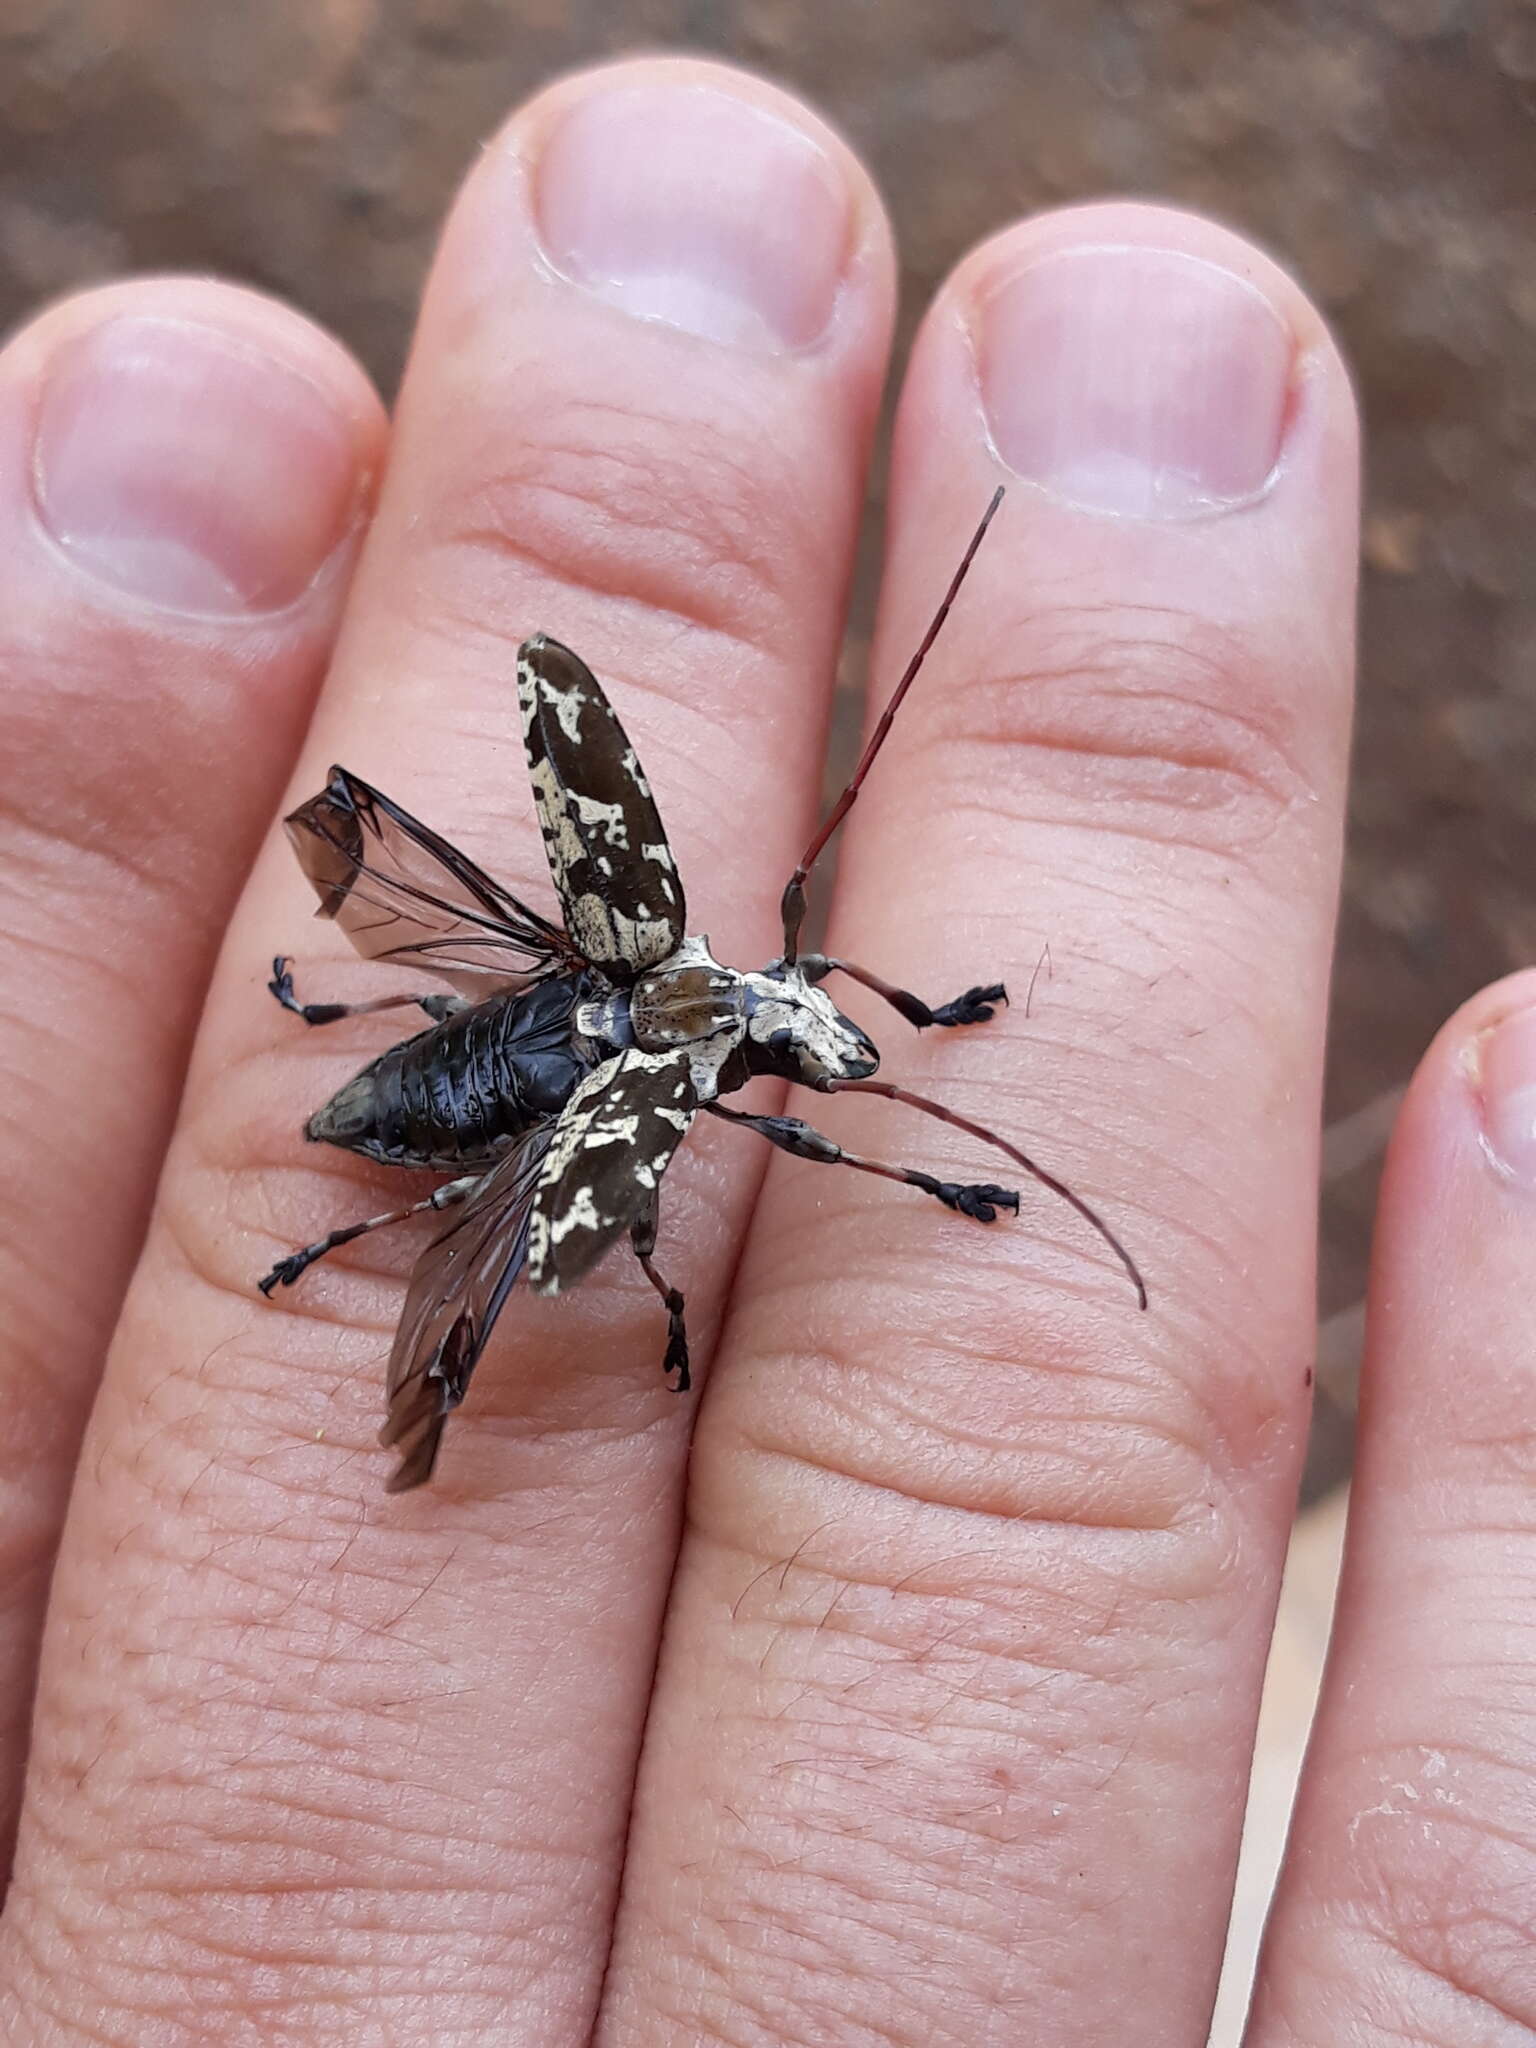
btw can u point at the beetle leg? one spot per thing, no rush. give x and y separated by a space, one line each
437 1007
1032 1167
979 1200
976 1006
642 1235
286 1271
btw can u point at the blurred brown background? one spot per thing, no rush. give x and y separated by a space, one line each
1384 149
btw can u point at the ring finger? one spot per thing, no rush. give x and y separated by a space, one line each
1404 1908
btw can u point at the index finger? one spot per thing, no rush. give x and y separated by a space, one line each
375 1755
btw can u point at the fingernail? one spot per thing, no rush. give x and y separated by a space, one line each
1508 1076
1136 381
189 468
690 206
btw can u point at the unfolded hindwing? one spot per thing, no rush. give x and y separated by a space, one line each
401 892
614 1141
456 1293
612 867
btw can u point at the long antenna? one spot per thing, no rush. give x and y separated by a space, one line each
1037 1172
792 906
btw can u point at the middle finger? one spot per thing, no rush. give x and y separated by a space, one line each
964 1645
637 415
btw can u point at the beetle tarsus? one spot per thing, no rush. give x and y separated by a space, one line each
1032 1167
676 1359
642 1237
286 1271
281 986
976 1006
438 1007
979 1200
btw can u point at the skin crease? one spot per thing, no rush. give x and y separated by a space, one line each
120 859
967 1599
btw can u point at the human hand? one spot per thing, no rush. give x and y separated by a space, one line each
967 1606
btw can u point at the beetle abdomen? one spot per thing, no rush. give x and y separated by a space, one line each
454 1095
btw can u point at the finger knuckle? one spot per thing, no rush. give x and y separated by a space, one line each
660 514
1150 722
1113 1460
289 1388
194 1891
1489 1446
977 1686
1438 1893
1014 1389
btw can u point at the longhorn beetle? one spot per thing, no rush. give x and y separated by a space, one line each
558 1079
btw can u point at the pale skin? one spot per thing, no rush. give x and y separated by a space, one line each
915 1706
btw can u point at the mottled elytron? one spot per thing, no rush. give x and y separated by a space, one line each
559 1077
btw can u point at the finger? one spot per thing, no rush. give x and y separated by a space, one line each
183 473
966 1641
636 415
1404 1907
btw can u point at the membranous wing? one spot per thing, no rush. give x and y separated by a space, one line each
612 867
400 892
613 1142
456 1293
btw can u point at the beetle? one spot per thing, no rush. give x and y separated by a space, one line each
563 1066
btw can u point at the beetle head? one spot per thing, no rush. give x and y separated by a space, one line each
796 1031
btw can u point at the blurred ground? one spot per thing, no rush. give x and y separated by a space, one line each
1384 149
